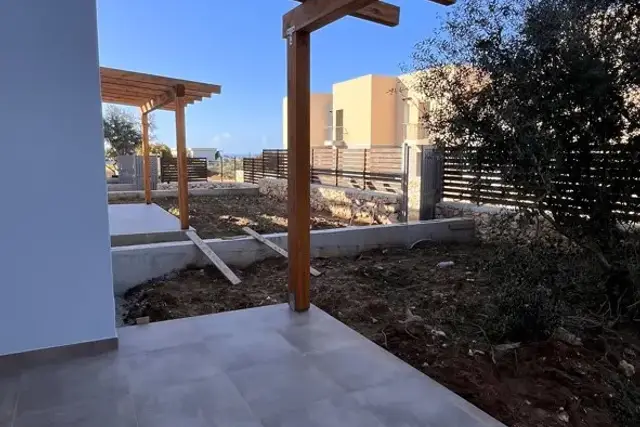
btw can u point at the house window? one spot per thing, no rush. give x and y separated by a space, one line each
414 130
328 130
339 125
406 114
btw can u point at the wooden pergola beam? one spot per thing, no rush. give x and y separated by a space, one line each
144 87
378 12
315 14
159 101
135 77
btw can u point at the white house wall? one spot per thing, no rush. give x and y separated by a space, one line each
55 263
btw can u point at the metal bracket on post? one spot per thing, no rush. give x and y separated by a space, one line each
289 33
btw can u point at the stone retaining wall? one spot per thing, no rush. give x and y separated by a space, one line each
209 185
245 190
495 223
346 203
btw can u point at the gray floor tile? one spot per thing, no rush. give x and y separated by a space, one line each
323 335
170 366
72 382
414 402
266 318
360 365
214 401
234 369
277 387
9 386
249 348
335 412
158 336
117 411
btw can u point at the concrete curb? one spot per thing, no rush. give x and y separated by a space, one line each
133 265
212 192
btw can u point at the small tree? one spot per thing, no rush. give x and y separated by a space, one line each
547 94
158 149
121 132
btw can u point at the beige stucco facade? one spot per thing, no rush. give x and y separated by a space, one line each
320 120
375 111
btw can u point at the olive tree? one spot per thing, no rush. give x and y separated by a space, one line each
546 93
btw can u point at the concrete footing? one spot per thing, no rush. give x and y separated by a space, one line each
133 265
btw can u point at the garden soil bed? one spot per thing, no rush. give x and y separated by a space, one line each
427 316
224 216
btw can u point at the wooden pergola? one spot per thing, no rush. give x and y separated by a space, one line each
149 92
297 26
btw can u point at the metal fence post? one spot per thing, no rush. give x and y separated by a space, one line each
431 182
364 169
313 159
336 166
221 169
404 209
235 169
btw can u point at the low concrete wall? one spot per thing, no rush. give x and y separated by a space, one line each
346 203
121 187
230 191
133 265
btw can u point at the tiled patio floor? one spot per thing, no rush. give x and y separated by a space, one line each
257 367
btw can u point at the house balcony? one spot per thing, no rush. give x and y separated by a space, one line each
414 132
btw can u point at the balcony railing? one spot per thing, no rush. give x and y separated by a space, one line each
413 132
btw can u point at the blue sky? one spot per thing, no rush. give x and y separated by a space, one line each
238 44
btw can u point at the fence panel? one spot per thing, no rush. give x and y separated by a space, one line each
196 169
252 169
378 169
464 180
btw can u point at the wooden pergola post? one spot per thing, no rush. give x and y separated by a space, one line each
146 165
297 26
298 146
181 146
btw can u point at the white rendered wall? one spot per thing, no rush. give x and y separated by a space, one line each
55 263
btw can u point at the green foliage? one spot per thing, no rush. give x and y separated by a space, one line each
121 132
547 94
160 150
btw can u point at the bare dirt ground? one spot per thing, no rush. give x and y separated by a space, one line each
215 217
430 317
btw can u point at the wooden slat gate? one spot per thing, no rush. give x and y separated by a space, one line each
196 169
431 183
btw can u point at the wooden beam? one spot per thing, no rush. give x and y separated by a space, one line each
444 2
159 101
273 246
298 146
134 76
215 259
146 164
145 87
181 146
378 12
315 14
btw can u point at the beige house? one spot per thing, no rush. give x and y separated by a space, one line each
366 112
